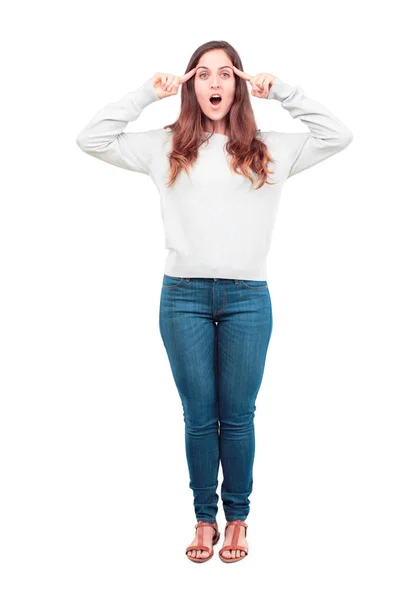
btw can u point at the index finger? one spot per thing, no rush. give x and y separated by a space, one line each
187 76
241 73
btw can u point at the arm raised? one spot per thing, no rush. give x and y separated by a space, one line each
104 136
327 135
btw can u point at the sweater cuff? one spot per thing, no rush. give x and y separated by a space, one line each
145 95
279 90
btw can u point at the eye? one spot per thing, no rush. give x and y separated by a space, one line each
204 73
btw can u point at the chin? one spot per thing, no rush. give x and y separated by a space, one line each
215 116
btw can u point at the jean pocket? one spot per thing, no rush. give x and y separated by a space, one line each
171 282
253 284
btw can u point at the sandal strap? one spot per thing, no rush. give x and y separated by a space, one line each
199 547
233 547
202 524
238 523
200 537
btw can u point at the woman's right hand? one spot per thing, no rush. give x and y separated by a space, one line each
166 84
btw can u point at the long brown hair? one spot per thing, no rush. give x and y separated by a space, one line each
247 152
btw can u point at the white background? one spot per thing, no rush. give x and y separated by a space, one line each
95 499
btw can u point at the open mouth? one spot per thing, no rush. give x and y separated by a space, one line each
215 99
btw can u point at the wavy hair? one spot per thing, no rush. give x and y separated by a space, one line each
247 152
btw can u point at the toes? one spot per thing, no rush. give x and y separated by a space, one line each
198 553
233 553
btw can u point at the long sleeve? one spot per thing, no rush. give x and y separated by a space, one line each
327 134
104 136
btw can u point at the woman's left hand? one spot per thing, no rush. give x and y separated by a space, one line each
261 83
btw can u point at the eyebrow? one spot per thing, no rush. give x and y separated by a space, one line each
226 67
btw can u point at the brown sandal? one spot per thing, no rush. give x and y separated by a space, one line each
233 545
201 546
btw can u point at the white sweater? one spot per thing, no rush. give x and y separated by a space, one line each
215 223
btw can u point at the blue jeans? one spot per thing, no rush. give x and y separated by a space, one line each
216 333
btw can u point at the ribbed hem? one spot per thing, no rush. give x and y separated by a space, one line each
145 95
280 90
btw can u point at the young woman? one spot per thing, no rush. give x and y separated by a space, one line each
220 180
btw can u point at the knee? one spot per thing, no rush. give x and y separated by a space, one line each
201 425
239 422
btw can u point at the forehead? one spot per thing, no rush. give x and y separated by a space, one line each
216 59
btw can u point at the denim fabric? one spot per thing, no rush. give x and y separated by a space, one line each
216 333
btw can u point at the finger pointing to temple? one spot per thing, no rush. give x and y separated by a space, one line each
188 75
242 73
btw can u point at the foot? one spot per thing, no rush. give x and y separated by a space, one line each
241 542
208 535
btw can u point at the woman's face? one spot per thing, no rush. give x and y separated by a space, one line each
215 75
